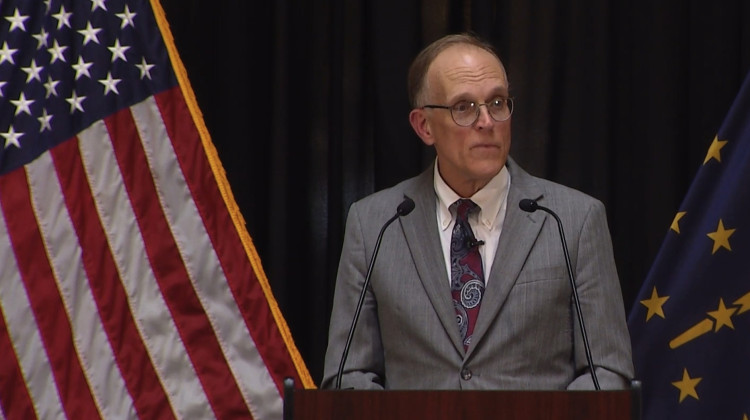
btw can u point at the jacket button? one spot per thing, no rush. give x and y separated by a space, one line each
466 374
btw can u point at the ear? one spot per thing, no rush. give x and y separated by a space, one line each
421 126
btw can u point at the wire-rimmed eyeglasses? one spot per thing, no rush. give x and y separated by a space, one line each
466 113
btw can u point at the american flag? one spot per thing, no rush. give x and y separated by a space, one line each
129 286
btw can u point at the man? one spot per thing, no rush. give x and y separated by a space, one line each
512 323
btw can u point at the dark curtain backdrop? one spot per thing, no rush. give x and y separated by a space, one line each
306 103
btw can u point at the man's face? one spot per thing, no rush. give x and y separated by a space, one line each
468 157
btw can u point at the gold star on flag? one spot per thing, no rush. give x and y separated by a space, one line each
723 316
687 386
676 222
714 151
654 305
721 237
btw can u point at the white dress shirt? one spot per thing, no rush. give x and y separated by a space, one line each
487 223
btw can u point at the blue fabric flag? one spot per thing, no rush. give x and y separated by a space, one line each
690 325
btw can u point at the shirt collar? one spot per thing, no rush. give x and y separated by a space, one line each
489 199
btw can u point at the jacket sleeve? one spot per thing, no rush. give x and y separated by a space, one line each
364 367
602 307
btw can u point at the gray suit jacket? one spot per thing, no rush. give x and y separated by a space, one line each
527 334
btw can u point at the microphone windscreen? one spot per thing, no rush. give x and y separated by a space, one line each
405 207
528 205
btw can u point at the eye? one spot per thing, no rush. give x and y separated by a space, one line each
464 107
498 102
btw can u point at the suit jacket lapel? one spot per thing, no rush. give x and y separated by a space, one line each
520 231
421 231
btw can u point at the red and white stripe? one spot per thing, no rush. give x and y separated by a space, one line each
126 288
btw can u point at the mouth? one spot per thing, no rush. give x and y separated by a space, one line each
485 146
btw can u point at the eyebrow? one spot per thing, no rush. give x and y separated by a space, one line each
500 91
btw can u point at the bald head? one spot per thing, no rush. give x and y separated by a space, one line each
418 80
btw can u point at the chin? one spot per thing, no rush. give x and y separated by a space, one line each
492 163
488 171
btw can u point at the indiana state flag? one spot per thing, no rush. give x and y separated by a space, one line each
690 325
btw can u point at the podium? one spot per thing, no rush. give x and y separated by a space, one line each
313 404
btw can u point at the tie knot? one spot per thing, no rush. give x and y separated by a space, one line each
464 206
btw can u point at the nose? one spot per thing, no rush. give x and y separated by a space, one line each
484 119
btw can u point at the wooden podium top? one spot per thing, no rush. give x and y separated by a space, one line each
511 405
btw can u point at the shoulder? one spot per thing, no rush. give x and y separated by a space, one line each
556 196
387 200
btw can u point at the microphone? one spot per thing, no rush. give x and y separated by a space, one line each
403 209
472 242
530 206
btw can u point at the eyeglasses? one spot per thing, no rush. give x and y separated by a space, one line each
466 113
